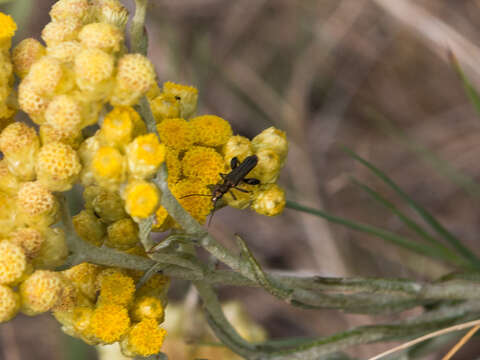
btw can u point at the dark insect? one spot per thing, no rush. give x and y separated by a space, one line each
232 180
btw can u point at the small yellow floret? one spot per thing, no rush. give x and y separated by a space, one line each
268 166
211 130
237 146
89 227
25 54
93 68
101 36
111 12
109 323
69 9
144 156
31 102
144 339
29 239
40 292
64 113
197 206
186 95
164 107
84 277
64 52
203 164
19 144
9 303
115 288
270 200
273 139
122 234
7 26
121 125
45 76
141 199
147 307
58 166
58 31
13 263
35 199
109 167
135 75
176 133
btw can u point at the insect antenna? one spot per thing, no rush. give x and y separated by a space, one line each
195 195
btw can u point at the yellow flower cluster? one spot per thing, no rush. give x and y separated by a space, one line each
83 76
105 308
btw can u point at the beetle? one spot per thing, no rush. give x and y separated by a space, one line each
232 180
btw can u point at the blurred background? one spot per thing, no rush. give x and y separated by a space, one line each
369 74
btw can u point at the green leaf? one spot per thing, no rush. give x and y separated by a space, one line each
404 218
442 231
472 93
422 249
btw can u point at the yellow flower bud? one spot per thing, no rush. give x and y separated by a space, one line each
20 144
111 12
144 156
64 113
93 70
64 52
147 307
115 288
49 134
268 166
109 323
121 125
162 220
13 263
31 102
89 227
211 130
108 205
186 95
270 200
122 234
9 303
237 146
9 183
164 107
102 36
37 203
45 76
29 239
176 133
25 54
84 277
58 31
203 164
135 75
141 199
273 139
87 151
157 286
109 167
58 166
64 10
144 339
197 206
40 292
54 250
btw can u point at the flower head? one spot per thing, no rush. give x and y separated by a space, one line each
147 307
93 70
203 164
84 277
13 263
40 292
89 227
122 234
197 206
7 26
144 156
121 125
102 36
109 322
25 54
164 107
176 133
144 338
141 199
186 95
211 130
270 200
9 303
29 239
109 167
54 250
115 287
35 200
64 113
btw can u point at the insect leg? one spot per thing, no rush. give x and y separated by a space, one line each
240 189
234 162
251 181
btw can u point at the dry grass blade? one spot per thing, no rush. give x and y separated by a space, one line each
462 342
434 334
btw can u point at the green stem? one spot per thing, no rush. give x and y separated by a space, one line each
138 35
